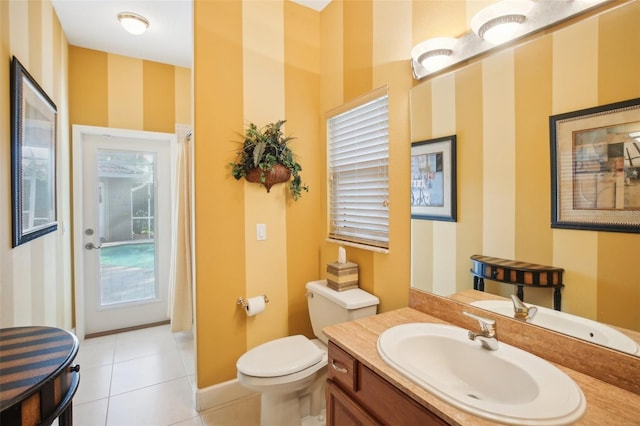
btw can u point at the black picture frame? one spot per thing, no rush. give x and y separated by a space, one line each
33 157
595 168
433 179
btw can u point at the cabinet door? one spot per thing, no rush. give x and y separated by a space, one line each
356 392
343 411
389 404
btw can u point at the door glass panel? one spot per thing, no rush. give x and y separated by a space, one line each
126 218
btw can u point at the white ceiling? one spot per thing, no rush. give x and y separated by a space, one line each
93 24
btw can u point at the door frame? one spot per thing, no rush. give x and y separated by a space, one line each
78 134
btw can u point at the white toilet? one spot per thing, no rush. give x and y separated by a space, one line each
292 369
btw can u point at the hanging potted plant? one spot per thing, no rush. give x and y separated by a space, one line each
265 158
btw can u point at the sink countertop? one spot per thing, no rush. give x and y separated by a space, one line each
606 404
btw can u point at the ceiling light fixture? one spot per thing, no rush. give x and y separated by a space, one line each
133 23
433 54
502 21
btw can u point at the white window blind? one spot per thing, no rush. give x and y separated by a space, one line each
358 152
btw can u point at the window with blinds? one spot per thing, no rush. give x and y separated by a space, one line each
358 150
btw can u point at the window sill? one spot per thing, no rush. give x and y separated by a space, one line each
360 246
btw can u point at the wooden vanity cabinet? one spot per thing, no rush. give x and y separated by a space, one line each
358 396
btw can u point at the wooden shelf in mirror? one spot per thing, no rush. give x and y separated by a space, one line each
517 273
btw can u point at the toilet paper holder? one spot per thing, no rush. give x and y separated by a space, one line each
242 301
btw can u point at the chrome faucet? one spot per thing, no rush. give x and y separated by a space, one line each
522 311
487 334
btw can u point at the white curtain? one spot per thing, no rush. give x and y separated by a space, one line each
181 284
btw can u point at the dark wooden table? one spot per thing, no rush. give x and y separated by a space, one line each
520 274
37 378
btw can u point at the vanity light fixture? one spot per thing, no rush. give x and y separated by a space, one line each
433 54
525 17
133 23
502 21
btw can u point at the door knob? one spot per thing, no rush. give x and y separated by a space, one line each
91 246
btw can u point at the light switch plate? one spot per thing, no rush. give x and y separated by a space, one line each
261 232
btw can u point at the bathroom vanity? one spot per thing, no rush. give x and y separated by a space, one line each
357 395
364 390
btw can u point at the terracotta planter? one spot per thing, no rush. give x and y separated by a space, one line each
278 174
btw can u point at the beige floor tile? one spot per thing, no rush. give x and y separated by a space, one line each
159 405
92 413
94 384
192 380
145 342
96 352
149 374
150 370
184 342
184 336
194 421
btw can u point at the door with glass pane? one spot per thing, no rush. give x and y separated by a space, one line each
126 231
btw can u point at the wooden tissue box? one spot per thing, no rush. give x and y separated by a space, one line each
342 276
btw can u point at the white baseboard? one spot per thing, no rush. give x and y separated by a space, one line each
221 394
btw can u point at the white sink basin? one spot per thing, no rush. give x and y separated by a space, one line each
507 385
572 325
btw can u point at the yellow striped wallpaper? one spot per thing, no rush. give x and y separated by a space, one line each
110 90
35 278
219 209
270 72
263 102
301 100
390 40
125 90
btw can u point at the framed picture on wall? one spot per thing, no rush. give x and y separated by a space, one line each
595 168
433 179
33 157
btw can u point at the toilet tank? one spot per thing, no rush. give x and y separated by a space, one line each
328 307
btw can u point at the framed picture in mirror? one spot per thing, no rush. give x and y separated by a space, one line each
33 157
595 168
433 179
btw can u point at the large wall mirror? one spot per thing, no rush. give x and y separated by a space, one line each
499 107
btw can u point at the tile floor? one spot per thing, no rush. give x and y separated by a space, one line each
146 377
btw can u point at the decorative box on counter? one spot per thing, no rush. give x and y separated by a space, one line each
342 276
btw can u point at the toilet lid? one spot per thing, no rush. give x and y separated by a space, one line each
280 357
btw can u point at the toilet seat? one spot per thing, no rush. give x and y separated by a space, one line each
280 357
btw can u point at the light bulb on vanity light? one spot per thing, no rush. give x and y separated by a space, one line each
502 21
433 54
133 23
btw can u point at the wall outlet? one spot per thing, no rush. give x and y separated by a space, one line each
261 232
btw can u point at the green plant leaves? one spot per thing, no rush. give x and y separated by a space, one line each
258 151
265 147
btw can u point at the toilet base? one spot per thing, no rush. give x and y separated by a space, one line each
284 409
279 409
